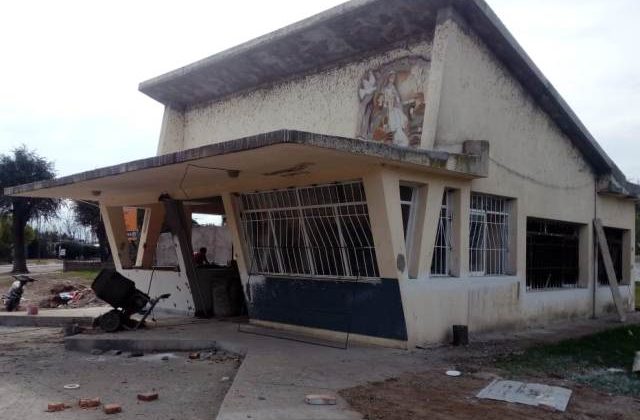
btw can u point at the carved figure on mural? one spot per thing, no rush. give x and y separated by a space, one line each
392 103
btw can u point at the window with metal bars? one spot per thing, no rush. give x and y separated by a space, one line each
488 235
553 254
440 263
315 231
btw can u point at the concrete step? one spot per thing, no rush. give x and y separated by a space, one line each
8 319
292 336
125 342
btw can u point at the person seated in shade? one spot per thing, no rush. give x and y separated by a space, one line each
200 257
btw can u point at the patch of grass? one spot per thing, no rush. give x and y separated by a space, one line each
88 275
585 360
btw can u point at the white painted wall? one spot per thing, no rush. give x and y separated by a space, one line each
470 96
173 282
325 103
533 162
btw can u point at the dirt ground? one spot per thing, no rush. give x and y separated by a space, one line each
44 292
430 394
34 368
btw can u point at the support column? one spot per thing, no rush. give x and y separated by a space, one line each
586 256
113 218
383 199
175 218
460 237
233 223
435 192
151 226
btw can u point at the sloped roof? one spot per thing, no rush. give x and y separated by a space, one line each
356 29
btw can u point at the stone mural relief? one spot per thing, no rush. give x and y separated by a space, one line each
392 102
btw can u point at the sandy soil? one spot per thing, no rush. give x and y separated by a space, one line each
430 394
34 368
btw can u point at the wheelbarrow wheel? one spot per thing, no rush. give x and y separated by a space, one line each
111 321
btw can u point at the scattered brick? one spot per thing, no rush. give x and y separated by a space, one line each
194 356
320 399
112 408
89 402
51 407
148 396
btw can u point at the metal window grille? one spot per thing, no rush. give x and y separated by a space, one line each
488 235
440 263
553 254
317 231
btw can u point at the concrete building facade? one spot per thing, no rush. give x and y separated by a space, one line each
386 169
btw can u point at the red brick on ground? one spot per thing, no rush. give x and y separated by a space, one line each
51 407
112 408
148 396
89 402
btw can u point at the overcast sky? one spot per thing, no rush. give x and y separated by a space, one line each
70 69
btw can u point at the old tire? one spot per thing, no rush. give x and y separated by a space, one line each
111 321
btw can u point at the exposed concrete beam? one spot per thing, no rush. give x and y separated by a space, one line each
151 226
175 218
113 218
462 165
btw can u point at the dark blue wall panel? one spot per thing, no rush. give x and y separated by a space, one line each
371 308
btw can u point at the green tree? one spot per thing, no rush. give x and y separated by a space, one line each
6 239
88 214
23 166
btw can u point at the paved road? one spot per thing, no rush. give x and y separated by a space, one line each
34 268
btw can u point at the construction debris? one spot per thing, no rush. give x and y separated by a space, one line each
320 399
529 394
56 406
112 408
89 402
68 295
148 396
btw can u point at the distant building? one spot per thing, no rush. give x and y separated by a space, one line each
386 169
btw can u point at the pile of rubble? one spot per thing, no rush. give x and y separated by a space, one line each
70 295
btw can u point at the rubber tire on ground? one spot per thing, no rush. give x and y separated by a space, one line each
111 321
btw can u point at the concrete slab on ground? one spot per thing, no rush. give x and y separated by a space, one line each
276 374
34 368
52 317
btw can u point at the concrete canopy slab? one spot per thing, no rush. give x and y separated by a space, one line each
278 159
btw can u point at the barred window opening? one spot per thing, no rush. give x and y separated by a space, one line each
553 254
319 231
440 263
488 235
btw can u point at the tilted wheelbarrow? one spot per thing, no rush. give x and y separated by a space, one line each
121 293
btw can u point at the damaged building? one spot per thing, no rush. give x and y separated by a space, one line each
385 169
